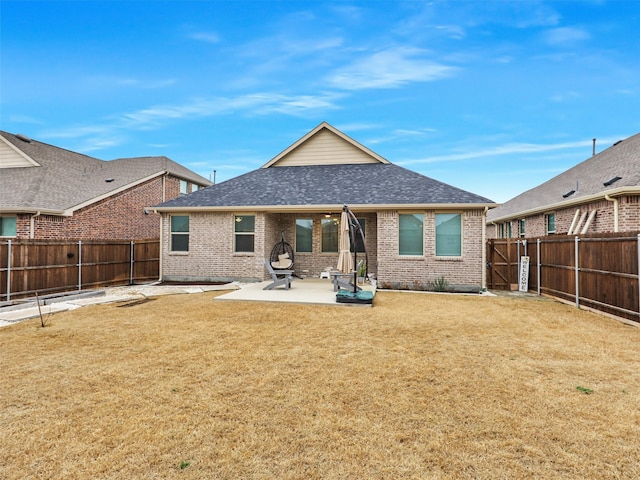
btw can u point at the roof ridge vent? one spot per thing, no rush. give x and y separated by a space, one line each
24 138
611 181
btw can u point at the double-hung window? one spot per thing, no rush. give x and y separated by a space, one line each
448 234
522 228
8 226
179 233
304 235
245 229
411 233
330 235
551 222
183 187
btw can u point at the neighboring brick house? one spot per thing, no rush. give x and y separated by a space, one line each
601 194
417 229
47 192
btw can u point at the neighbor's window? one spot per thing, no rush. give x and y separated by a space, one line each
183 187
551 222
8 226
448 234
508 229
245 228
500 230
179 233
304 235
411 237
330 235
522 227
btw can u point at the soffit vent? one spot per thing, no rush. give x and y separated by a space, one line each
611 181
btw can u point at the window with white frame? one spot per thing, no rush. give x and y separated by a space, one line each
179 233
304 235
184 187
245 230
448 234
411 234
522 225
330 235
8 226
550 220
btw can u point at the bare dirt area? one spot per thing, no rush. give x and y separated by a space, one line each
419 386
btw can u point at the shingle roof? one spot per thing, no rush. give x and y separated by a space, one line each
66 179
586 179
304 186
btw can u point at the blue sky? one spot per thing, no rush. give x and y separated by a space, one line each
493 97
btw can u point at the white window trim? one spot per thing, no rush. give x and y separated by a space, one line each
454 258
172 233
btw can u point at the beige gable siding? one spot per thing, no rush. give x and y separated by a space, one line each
11 158
325 148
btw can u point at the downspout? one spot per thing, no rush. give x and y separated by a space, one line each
484 248
32 224
616 209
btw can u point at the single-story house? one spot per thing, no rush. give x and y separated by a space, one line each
416 229
47 192
601 194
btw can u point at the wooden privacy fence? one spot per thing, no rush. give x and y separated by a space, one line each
600 271
50 266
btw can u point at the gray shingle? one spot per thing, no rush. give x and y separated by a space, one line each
586 178
357 184
66 179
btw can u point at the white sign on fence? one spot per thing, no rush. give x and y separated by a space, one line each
524 275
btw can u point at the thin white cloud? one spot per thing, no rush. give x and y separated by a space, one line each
207 37
109 134
507 149
390 68
563 36
108 81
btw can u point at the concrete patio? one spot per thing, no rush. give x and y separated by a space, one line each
303 291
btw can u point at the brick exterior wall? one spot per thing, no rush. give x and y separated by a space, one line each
117 217
211 244
417 272
603 222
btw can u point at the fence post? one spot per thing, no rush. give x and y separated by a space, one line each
639 273
79 264
539 268
131 264
9 271
577 275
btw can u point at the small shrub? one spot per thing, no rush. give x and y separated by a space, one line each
440 284
184 464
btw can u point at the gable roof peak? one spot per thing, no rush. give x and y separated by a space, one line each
325 145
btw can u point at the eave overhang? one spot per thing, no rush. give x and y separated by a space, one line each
616 192
327 208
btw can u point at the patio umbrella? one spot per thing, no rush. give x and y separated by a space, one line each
345 260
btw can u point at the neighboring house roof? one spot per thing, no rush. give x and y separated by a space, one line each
324 171
35 176
590 180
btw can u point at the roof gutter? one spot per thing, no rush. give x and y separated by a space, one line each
616 192
337 208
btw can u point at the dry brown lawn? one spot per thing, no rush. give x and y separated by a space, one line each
419 386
